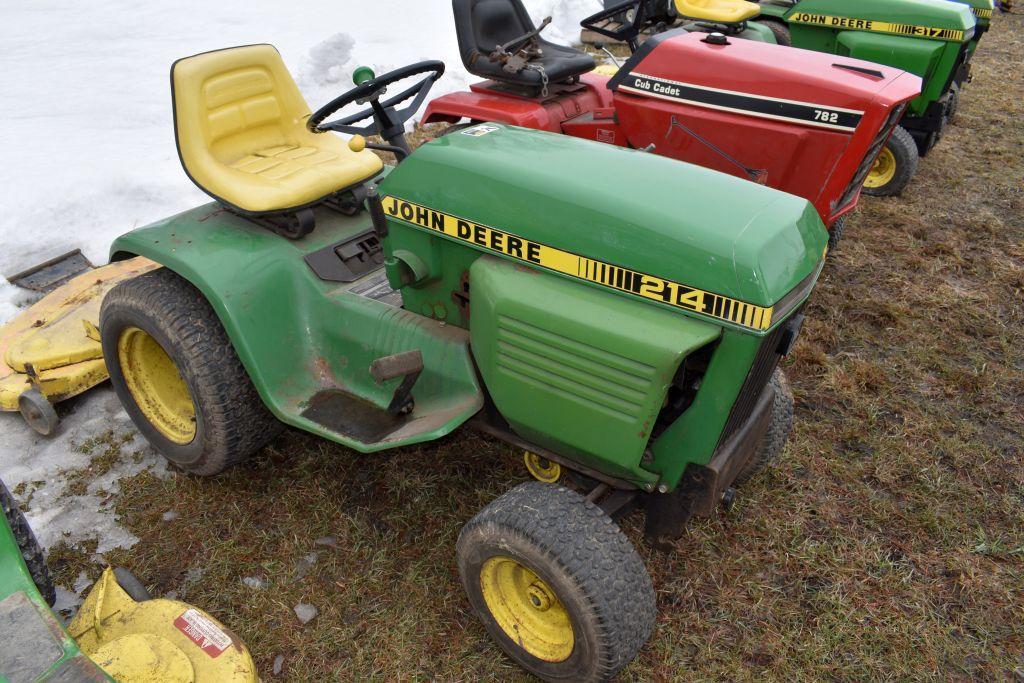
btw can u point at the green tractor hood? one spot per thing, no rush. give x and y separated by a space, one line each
906 15
642 213
982 9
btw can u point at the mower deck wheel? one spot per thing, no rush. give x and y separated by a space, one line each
781 424
895 166
178 376
556 583
38 412
31 553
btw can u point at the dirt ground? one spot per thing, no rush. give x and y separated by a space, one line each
888 542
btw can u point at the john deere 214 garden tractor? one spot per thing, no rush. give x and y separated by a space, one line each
614 314
930 38
119 634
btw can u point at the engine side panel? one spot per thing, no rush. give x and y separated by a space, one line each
576 370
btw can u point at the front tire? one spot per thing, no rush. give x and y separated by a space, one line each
954 103
556 583
895 166
779 427
178 376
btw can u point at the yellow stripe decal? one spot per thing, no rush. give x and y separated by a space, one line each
950 34
983 13
580 267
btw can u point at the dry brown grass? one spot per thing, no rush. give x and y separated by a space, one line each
888 543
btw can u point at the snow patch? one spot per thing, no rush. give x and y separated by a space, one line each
67 603
47 467
305 612
566 16
327 59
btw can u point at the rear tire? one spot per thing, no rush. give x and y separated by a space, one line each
895 166
779 29
774 440
31 553
556 583
230 420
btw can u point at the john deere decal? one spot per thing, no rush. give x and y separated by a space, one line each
580 267
949 34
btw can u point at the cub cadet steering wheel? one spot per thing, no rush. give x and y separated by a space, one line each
388 121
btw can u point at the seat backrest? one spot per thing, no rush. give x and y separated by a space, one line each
230 102
483 25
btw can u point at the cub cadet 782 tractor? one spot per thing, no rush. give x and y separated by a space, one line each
119 634
798 121
930 38
626 326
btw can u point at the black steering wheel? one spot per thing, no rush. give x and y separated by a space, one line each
388 121
629 30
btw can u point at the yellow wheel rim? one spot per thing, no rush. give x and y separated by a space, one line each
542 469
526 609
156 385
883 170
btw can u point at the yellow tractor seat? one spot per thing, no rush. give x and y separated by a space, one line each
240 125
720 11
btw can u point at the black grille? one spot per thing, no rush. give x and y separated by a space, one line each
869 157
760 374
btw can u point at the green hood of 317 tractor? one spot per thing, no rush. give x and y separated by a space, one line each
936 14
982 9
634 210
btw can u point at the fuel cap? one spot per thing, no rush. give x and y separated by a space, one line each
716 38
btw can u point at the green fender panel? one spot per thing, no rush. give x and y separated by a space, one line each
33 644
306 342
574 369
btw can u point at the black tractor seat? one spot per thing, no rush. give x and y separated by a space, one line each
483 26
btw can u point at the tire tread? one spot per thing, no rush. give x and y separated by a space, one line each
589 546
236 421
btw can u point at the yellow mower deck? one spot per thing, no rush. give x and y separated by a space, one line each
157 639
55 344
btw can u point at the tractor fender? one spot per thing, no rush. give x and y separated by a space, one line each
478 106
301 338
